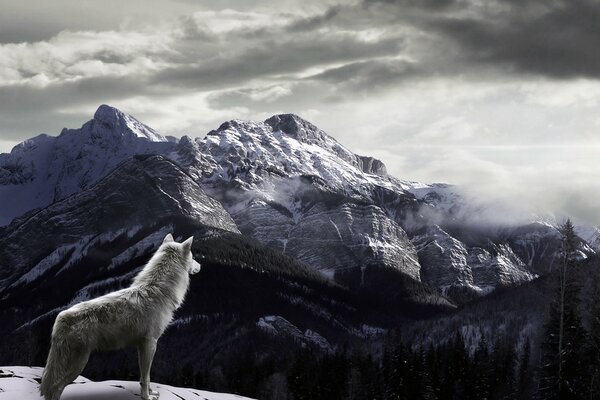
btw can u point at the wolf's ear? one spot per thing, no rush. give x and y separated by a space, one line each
187 245
168 238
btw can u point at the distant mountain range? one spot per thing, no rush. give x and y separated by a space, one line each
282 182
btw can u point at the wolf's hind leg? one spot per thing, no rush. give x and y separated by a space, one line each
146 351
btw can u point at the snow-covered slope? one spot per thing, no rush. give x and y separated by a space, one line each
249 152
144 192
45 169
23 383
290 185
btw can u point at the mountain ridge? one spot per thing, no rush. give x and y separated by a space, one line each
293 187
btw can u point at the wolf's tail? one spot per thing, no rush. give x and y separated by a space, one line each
52 372
56 369
67 358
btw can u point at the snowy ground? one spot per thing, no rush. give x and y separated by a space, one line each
22 383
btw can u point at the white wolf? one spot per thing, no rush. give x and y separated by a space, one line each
135 316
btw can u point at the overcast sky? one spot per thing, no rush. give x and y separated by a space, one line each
501 95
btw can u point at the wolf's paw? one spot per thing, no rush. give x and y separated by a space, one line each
152 395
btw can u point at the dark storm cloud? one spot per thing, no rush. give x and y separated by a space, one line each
561 41
557 39
333 84
262 98
75 69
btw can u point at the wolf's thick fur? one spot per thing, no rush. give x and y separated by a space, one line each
135 316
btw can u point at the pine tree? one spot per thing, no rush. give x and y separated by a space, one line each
592 309
523 371
561 375
481 368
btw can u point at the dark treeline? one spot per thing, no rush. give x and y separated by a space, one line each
559 361
398 371
538 341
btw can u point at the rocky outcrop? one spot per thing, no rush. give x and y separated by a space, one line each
454 267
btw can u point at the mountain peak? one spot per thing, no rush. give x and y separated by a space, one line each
117 121
234 124
296 127
108 114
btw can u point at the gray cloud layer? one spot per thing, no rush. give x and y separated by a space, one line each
422 84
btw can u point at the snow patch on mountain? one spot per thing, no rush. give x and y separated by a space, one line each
277 325
591 234
290 185
143 246
118 121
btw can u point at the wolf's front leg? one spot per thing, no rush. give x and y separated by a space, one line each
145 355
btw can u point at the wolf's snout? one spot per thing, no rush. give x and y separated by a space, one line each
195 268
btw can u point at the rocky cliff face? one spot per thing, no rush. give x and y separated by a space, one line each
332 237
465 271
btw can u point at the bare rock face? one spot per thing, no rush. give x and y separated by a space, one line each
443 261
460 270
332 237
497 266
373 166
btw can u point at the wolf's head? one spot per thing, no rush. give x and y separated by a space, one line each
185 248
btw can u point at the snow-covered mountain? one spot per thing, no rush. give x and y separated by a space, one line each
46 169
23 383
287 184
290 185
